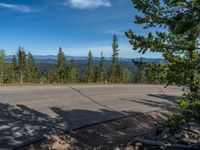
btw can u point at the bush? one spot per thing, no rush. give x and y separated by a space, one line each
191 109
177 121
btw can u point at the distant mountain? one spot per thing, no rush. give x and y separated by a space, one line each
53 59
47 62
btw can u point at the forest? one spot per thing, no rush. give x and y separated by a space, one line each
22 68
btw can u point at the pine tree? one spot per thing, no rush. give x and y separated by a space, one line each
89 74
7 78
52 76
73 73
140 72
119 73
14 69
61 67
61 59
179 45
2 65
96 74
21 64
152 73
31 69
102 69
114 68
125 75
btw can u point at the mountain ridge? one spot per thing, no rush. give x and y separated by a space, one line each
53 59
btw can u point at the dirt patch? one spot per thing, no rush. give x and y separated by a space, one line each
114 133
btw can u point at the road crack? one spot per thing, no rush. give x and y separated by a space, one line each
86 96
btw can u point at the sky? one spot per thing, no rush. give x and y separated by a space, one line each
42 26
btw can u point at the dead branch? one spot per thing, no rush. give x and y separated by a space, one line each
166 145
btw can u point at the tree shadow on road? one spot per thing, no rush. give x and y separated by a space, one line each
166 97
165 101
20 124
110 132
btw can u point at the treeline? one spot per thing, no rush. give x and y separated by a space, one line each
151 73
23 69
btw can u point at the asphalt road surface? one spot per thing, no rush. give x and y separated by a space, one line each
28 113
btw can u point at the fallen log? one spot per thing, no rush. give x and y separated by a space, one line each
165 145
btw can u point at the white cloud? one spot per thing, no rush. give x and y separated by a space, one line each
83 4
16 7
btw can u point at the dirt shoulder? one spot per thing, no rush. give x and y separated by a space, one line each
110 133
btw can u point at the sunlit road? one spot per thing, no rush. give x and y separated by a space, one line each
28 113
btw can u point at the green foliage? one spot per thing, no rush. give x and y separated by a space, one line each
24 68
191 106
61 59
115 67
177 121
102 69
21 62
61 67
7 78
72 73
149 72
89 74
14 69
31 70
52 76
140 74
96 74
2 65
180 45
125 75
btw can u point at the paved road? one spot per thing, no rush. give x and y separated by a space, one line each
28 113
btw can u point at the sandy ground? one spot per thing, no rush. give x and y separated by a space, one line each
105 135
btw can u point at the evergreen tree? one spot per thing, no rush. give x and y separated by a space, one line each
14 69
140 72
119 73
7 78
52 76
61 67
125 75
2 65
61 59
153 73
96 74
180 45
89 74
114 68
21 64
31 69
73 73
102 69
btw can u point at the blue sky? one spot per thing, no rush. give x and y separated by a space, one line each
42 26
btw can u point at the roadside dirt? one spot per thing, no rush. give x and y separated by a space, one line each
114 133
